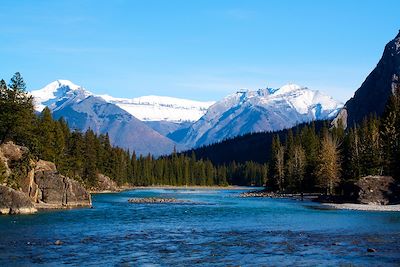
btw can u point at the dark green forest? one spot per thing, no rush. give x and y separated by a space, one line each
83 155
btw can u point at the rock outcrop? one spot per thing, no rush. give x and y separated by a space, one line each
53 190
40 185
15 202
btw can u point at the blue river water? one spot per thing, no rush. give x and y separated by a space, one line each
218 229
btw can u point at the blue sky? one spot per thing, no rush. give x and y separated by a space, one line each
199 49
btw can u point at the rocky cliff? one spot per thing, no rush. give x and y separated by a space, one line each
373 94
35 184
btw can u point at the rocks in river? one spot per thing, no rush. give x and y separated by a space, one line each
156 200
258 193
58 243
15 202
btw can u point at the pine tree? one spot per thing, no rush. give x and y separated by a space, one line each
16 112
299 164
390 134
89 164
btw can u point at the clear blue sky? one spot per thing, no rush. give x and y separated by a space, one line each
198 49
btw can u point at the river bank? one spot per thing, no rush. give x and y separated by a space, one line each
363 207
318 197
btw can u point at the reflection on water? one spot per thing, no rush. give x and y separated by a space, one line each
231 231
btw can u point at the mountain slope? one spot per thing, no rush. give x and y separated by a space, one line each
373 94
261 110
82 110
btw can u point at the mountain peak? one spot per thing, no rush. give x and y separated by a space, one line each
61 83
55 91
287 88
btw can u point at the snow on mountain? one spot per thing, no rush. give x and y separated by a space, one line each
58 92
145 108
161 108
261 110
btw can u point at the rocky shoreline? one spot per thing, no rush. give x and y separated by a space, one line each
363 207
38 184
326 202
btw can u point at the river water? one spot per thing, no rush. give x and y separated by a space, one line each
218 229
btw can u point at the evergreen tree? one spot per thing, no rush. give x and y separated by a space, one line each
17 117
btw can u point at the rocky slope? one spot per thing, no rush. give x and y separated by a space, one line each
261 110
373 94
37 184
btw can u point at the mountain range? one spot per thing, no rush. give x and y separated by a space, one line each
157 125
260 111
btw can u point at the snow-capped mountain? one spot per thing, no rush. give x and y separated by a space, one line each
145 108
57 94
262 110
162 108
83 110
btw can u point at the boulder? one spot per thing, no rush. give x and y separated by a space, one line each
57 191
15 202
381 190
104 183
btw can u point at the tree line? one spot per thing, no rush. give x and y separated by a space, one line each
83 155
308 160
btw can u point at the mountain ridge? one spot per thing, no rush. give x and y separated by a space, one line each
260 110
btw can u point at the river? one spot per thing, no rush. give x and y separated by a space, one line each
218 229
